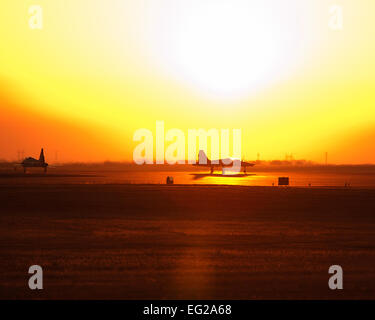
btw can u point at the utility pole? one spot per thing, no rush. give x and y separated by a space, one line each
20 155
326 158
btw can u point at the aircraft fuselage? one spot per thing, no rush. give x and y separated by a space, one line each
33 163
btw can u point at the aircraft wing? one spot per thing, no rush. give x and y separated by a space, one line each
247 164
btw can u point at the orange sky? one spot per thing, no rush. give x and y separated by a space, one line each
95 73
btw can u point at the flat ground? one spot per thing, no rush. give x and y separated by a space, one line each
186 242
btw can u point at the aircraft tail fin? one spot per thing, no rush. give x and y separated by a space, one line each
202 157
41 157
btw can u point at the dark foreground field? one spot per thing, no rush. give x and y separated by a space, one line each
183 242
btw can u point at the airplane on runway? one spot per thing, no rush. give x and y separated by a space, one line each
34 163
221 163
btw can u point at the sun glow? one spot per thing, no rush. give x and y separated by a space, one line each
227 48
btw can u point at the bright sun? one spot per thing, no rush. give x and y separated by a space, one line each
226 48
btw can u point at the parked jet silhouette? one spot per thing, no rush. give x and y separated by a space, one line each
34 163
221 163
